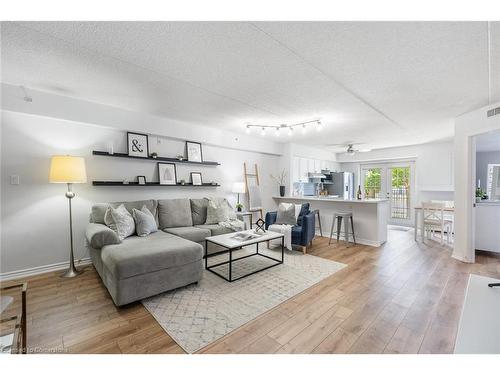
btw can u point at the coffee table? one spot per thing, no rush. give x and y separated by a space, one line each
231 245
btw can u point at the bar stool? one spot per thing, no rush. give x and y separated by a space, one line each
316 212
338 216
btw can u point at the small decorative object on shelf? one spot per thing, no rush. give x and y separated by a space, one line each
110 148
213 183
137 145
183 182
125 182
194 152
260 226
141 180
180 157
154 155
280 180
358 194
196 178
167 174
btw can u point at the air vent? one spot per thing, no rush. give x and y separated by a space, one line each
493 112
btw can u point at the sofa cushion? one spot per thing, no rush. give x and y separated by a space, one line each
199 210
190 233
140 255
174 213
99 209
215 229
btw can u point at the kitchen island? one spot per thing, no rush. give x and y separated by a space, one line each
370 215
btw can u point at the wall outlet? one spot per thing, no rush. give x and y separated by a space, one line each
14 179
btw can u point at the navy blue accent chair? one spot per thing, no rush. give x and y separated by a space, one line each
303 232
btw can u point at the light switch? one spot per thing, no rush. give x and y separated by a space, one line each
14 179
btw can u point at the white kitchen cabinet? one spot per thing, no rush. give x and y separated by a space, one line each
317 166
304 169
487 233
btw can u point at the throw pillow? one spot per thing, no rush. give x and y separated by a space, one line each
286 214
120 220
145 222
219 211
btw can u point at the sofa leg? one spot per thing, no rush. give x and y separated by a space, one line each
304 249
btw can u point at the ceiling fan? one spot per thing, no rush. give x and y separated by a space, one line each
350 150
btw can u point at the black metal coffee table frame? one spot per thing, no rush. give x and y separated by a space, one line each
231 260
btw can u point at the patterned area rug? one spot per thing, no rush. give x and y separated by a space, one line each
197 315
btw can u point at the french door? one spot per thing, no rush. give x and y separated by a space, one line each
393 181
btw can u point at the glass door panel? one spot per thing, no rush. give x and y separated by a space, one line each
399 194
372 182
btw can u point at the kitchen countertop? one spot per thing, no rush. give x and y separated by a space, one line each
488 203
337 200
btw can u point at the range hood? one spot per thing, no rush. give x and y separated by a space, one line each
316 175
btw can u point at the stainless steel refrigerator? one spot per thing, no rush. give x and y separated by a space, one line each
342 184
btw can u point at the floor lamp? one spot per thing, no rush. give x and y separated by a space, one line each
68 170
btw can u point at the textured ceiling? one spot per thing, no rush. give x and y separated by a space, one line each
382 84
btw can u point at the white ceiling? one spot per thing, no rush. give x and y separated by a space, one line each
488 142
378 83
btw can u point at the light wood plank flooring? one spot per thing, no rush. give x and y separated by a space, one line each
404 297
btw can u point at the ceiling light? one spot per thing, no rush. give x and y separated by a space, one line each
263 131
304 129
277 132
319 126
248 129
290 131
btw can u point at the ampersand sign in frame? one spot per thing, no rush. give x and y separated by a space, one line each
137 144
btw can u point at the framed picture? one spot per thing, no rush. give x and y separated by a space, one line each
196 178
167 174
193 151
141 180
137 145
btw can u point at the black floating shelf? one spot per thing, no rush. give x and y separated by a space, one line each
159 158
120 183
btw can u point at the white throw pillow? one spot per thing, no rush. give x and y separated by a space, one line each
145 222
120 220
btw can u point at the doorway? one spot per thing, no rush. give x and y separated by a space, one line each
393 181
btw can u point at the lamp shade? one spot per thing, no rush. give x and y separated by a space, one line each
67 169
239 187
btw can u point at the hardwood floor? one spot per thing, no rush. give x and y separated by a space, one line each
404 297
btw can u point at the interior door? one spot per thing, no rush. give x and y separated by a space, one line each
393 181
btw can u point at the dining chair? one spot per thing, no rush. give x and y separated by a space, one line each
434 219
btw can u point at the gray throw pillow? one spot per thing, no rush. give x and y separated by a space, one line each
286 214
145 222
120 220
219 211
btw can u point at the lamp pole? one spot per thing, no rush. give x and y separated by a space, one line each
72 271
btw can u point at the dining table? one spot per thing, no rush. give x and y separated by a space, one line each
419 218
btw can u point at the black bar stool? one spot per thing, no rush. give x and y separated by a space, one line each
345 217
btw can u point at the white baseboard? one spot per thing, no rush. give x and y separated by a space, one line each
41 269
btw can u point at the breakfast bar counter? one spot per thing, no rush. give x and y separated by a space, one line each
370 215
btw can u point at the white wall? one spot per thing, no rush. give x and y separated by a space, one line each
34 214
433 167
467 126
482 161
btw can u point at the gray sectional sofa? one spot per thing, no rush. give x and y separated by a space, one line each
140 267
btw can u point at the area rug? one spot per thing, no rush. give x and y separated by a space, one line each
197 315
